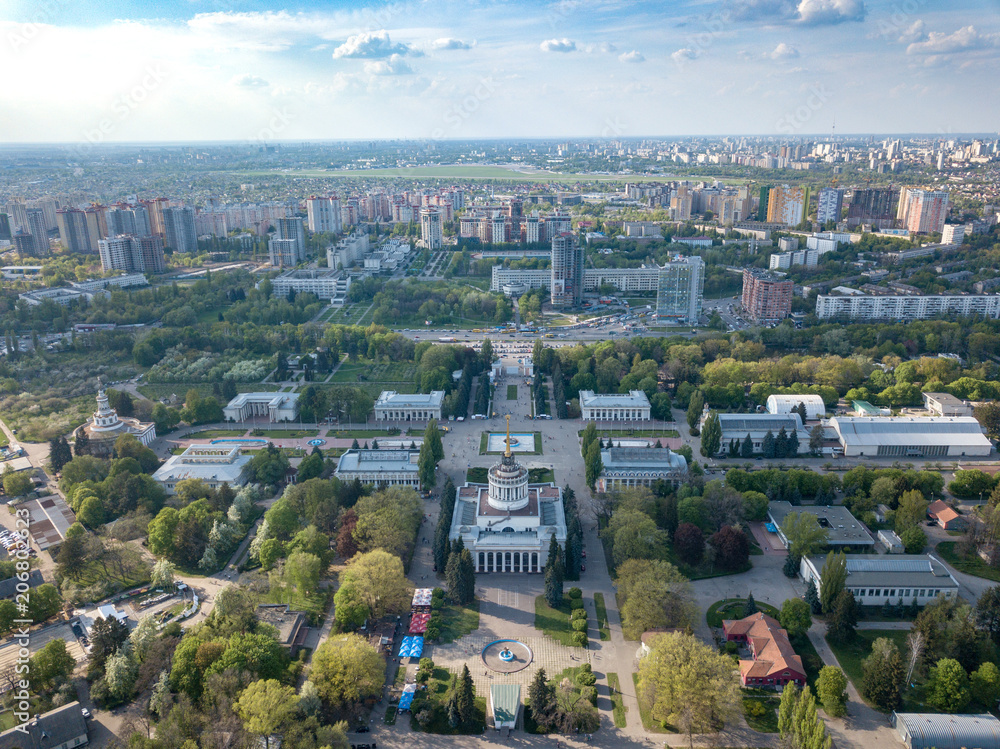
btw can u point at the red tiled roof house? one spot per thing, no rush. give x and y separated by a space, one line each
774 661
945 516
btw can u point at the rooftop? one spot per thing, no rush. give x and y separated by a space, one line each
842 526
908 430
378 460
643 459
55 728
900 570
945 399
928 730
410 400
290 624
203 462
760 422
634 399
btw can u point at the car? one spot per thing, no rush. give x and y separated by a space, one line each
85 713
583 568
362 729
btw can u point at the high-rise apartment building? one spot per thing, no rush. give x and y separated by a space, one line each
128 219
680 290
431 231
533 229
766 297
681 204
830 202
76 232
787 205
925 211
39 231
178 229
132 254
24 243
154 209
17 210
323 214
288 247
567 271
5 229
873 206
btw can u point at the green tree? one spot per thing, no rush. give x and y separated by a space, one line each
816 439
460 574
914 539
15 483
695 407
59 453
266 706
593 465
912 511
834 578
984 684
589 436
987 612
347 670
51 666
795 616
711 435
542 700
432 436
311 467
948 686
804 533
883 675
304 570
971 483
120 672
268 466
465 700
831 688
380 582
686 683
254 652
653 595
843 617
162 575
768 445
786 710
554 574
746 448
426 467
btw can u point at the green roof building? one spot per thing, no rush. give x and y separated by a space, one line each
505 702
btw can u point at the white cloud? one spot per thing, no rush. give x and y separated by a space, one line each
831 11
245 80
683 54
913 33
633 56
962 40
370 45
784 52
558 45
395 65
449 43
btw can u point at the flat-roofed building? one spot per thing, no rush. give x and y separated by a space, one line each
323 282
905 307
911 437
738 426
640 466
614 407
877 579
843 529
215 465
276 407
393 406
783 404
379 467
946 404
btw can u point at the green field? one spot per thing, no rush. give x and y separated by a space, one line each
554 622
286 433
851 654
349 314
970 565
458 621
512 392
617 703
732 608
462 171
390 373
157 390
211 434
602 616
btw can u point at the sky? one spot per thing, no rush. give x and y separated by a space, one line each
93 71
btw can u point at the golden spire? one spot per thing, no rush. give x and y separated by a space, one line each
507 451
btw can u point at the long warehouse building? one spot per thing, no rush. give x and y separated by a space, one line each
910 437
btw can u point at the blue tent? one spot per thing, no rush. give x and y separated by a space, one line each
406 699
411 647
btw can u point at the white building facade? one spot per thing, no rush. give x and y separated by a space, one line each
380 467
906 308
272 407
393 406
614 407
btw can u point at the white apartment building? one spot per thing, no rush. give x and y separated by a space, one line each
323 214
431 230
323 282
623 279
808 258
953 234
905 308
349 251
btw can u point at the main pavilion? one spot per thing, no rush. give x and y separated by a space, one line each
507 523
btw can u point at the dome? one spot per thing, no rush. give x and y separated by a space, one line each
508 479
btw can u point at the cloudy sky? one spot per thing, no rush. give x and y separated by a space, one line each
120 70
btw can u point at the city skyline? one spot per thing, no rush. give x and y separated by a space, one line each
256 72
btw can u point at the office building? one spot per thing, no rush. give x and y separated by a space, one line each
124 281
39 231
566 288
766 297
273 408
910 437
640 466
878 579
379 467
953 234
925 211
843 530
214 464
906 307
132 254
393 406
871 206
431 232
507 523
178 229
325 283
323 214
76 232
946 404
614 407
680 290
830 203
787 205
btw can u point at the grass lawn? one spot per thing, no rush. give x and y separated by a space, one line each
764 718
602 616
436 695
851 654
458 621
286 433
211 434
371 371
617 703
554 622
810 658
362 433
512 392
647 720
7 720
390 715
541 476
476 475
970 565
732 608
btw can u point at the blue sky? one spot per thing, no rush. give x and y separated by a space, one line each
232 70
